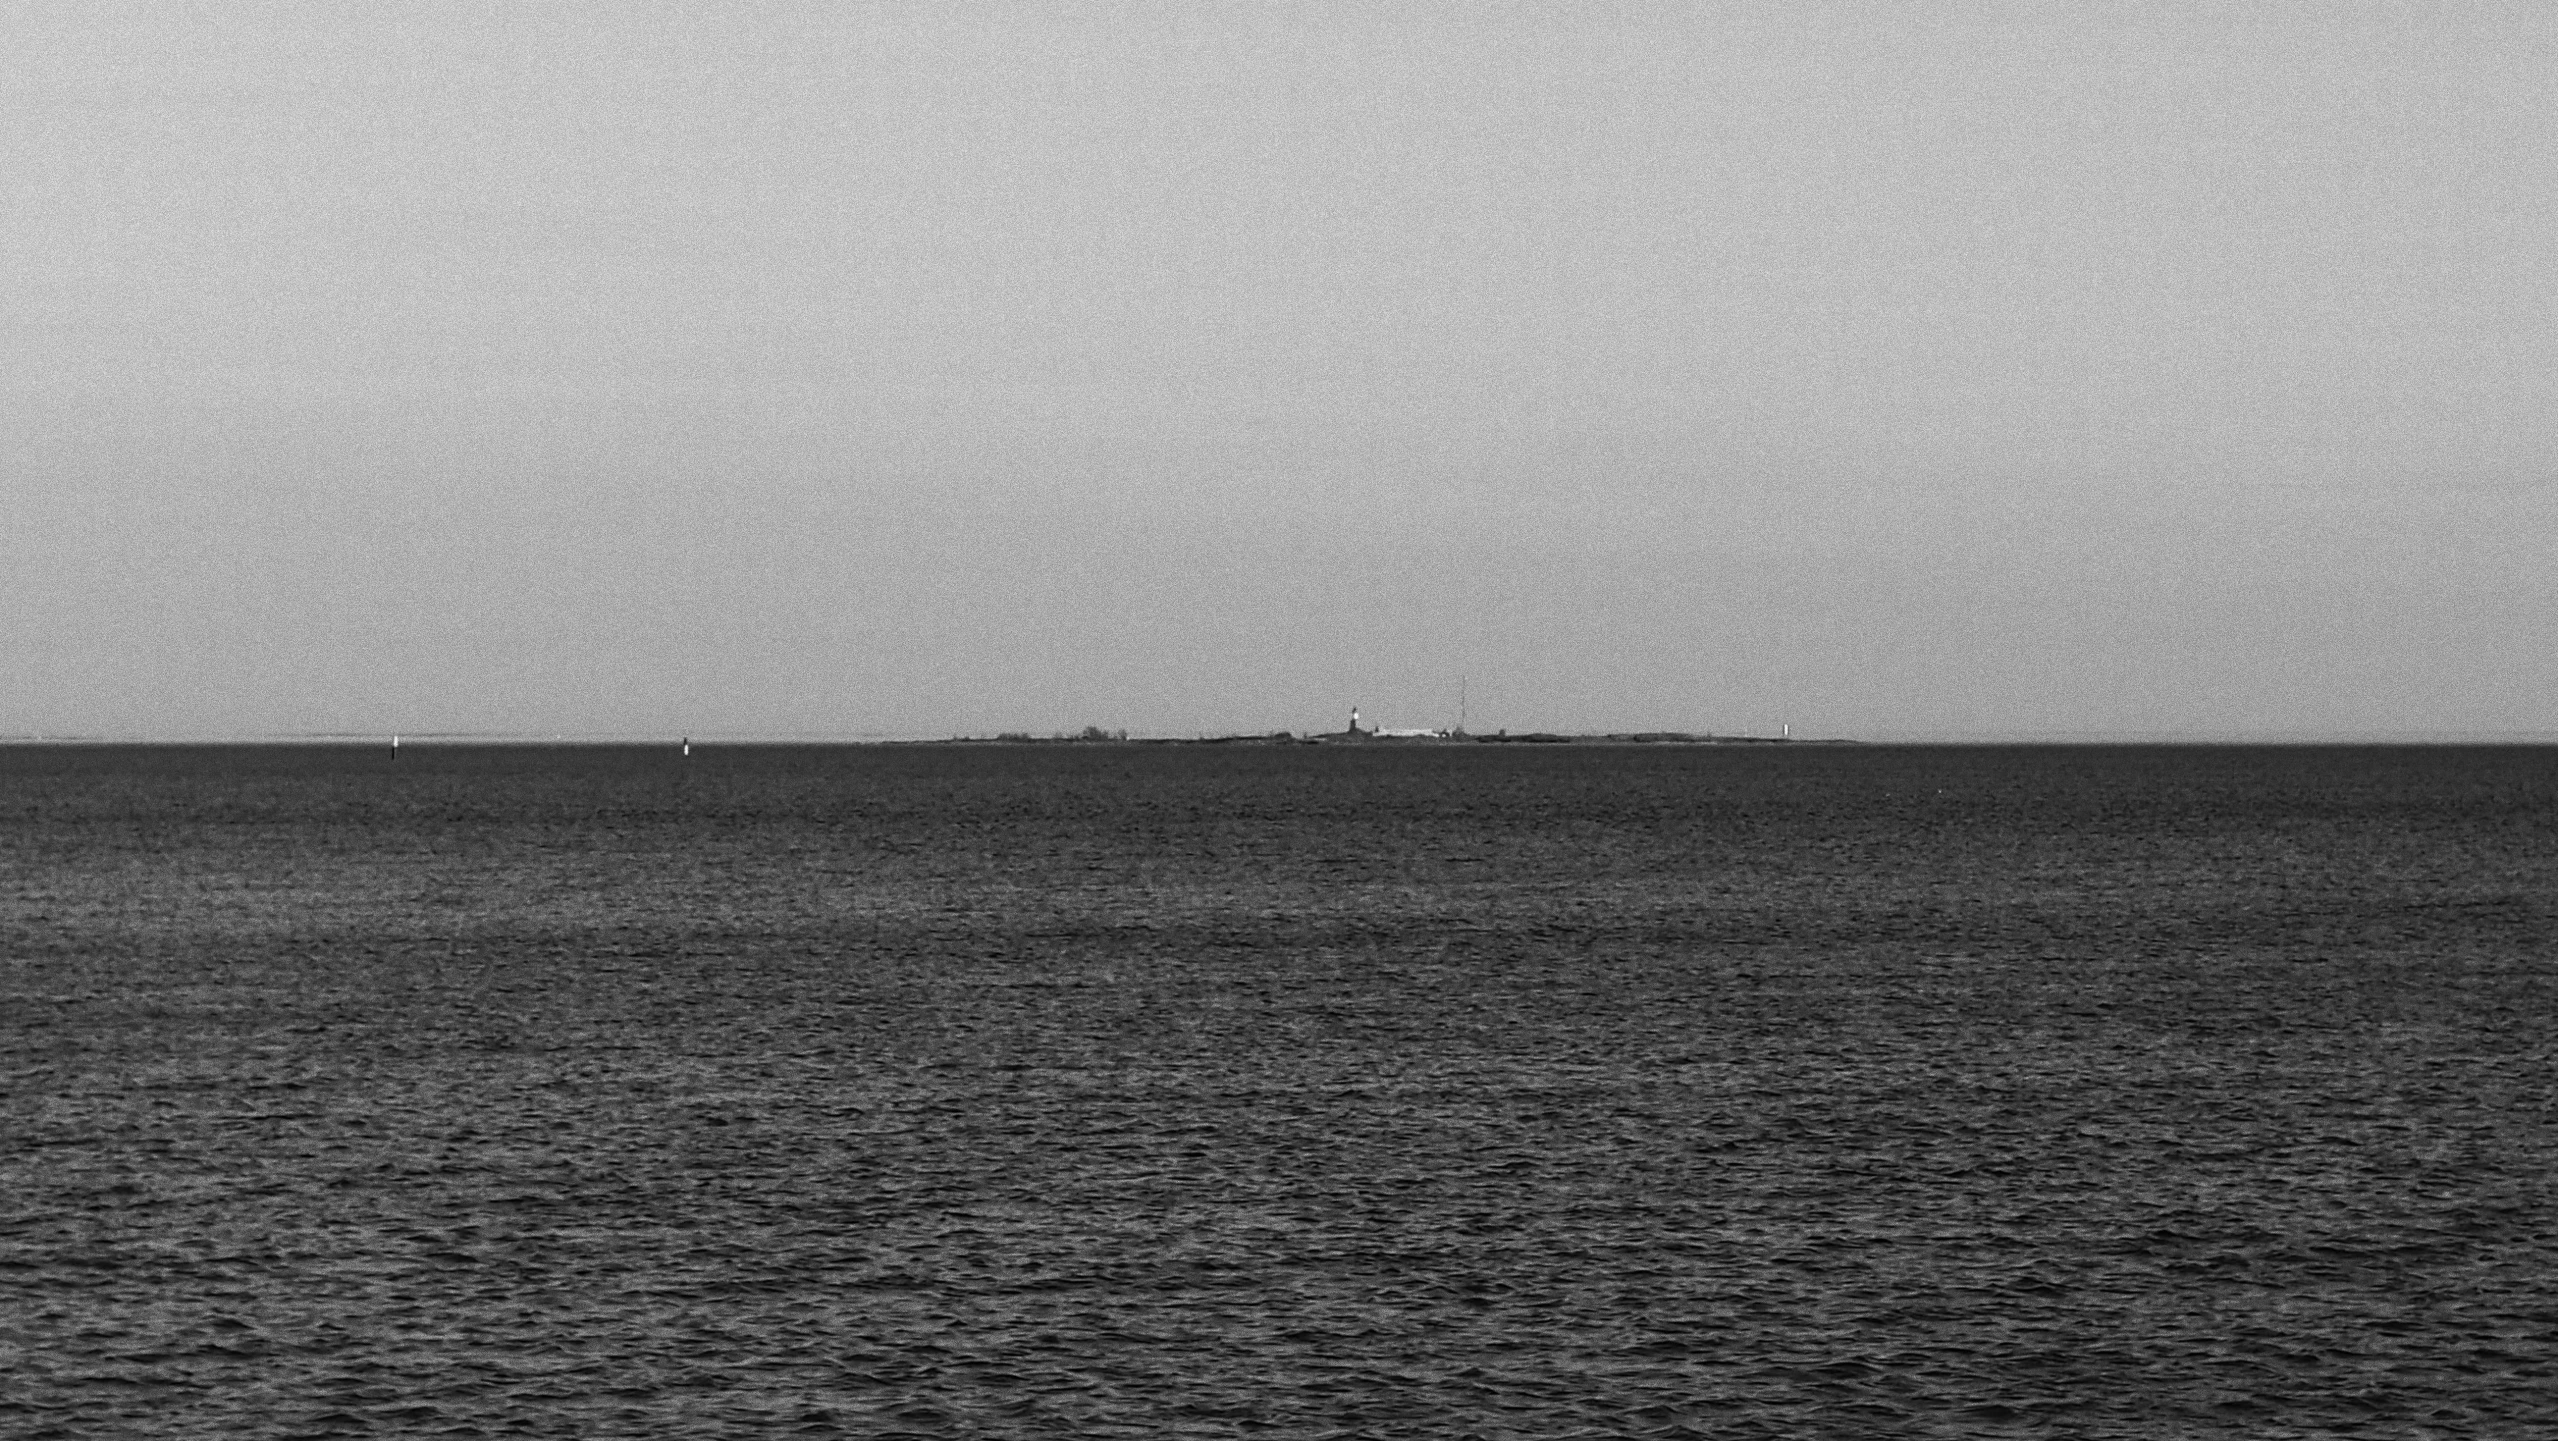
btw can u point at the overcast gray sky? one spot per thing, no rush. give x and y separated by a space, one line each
1899 370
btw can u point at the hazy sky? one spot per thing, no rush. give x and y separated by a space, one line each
1890 369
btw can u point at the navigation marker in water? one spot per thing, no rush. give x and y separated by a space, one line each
688 745
395 747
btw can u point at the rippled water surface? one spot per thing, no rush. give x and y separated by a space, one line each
1148 1091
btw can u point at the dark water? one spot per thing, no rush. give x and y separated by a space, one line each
1191 1092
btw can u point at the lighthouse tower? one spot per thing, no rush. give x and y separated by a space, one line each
1354 720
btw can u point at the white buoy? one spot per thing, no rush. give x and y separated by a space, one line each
688 745
395 747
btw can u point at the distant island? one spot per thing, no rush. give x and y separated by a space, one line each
1355 734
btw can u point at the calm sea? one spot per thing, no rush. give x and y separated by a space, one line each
1151 1091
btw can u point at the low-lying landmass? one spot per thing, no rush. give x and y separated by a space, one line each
1095 735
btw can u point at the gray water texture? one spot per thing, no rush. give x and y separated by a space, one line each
1146 1091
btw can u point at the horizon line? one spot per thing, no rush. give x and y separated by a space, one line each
893 737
